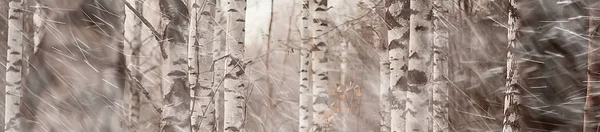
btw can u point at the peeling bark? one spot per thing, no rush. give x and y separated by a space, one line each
512 98
133 45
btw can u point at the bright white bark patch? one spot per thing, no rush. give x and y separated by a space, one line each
321 111
419 67
304 98
13 89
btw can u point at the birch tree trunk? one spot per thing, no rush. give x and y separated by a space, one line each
419 67
512 98
321 111
234 78
175 114
304 98
201 38
380 42
133 45
397 18
218 50
14 56
440 48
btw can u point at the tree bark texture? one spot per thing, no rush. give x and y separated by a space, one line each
512 98
321 110
200 61
397 20
14 57
419 67
234 83
440 66
175 114
304 114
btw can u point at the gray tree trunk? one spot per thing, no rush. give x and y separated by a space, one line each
133 45
175 114
512 99
200 61
440 66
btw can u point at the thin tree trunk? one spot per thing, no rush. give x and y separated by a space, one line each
593 76
321 111
3 41
440 65
304 101
133 27
203 110
380 42
397 18
234 84
512 99
419 67
13 89
175 115
218 50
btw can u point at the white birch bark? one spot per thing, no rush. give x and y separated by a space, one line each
321 111
397 18
440 65
304 98
133 45
200 61
512 98
419 67
234 85
218 50
14 56
175 114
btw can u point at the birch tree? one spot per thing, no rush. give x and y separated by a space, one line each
304 98
439 85
512 98
133 45
320 95
218 50
234 85
380 42
199 44
397 20
14 56
175 114
419 67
